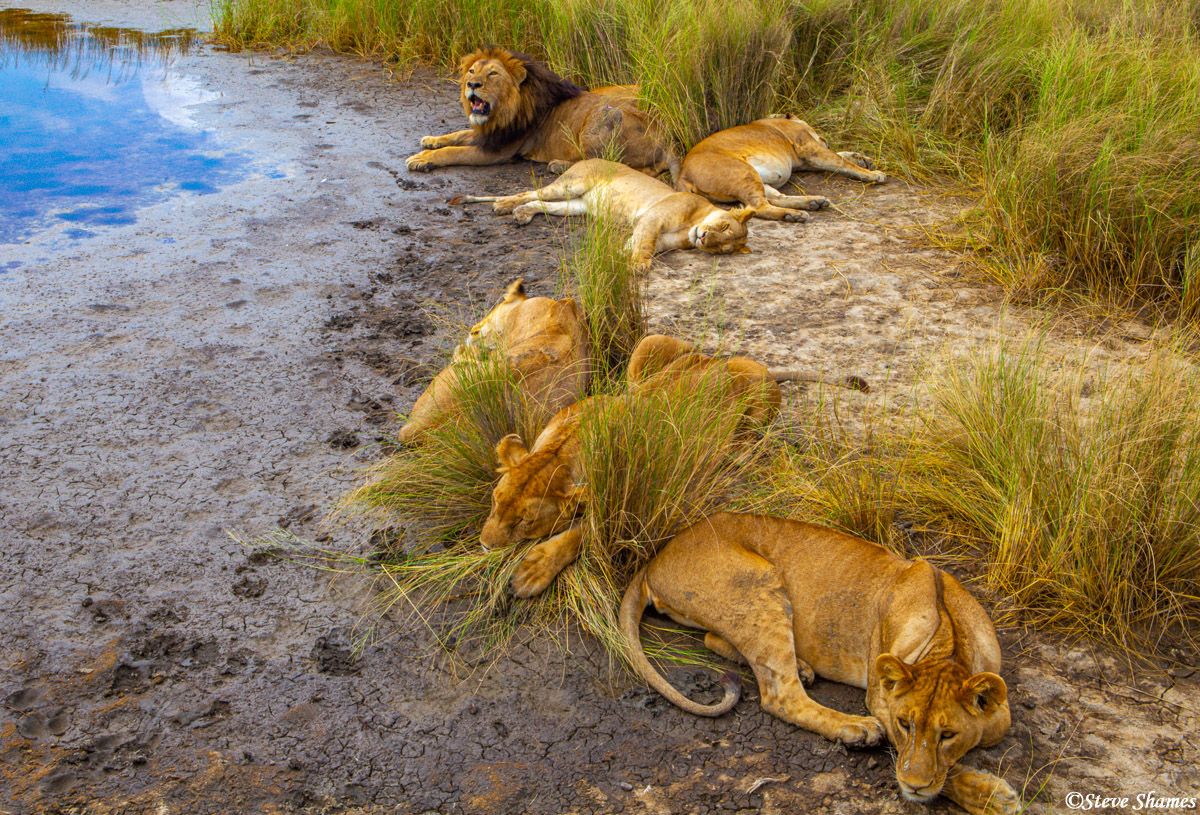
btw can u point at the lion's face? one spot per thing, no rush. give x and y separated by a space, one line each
723 233
484 333
533 499
491 88
935 712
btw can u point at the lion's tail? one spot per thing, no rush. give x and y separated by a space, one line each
636 599
854 383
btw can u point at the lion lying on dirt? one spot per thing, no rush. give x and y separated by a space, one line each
662 219
541 489
544 340
519 108
747 163
796 600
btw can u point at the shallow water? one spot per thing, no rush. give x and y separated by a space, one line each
94 124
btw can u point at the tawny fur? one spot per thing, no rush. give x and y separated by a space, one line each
662 219
747 164
546 343
519 108
542 489
796 601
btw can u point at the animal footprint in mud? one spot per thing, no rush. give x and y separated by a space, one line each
250 586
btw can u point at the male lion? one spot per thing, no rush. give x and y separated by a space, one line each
796 600
544 340
518 107
747 163
542 489
662 219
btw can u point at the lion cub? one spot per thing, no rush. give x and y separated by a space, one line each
796 600
662 219
542 489
747 163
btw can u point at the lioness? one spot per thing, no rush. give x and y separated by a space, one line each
541 489
662 218
796 600
544 340
747 163
518 107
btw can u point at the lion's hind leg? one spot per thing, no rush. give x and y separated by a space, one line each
524 213
740 597
810 202
822 158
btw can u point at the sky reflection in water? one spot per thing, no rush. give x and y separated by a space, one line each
93 126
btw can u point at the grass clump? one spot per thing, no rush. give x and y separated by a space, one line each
598 272
1087 507
438 492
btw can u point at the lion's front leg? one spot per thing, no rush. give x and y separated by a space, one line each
459 138
543 562
981 793
455 156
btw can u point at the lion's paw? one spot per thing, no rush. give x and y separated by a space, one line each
524 213
807 675
559 166
420 162
503 207
864 731
431 142
534 574
819 202
860 159
795 217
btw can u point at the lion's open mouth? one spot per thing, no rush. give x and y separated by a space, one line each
478 106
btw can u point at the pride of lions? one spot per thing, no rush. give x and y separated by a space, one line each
791 600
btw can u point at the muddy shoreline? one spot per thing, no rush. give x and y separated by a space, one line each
227 364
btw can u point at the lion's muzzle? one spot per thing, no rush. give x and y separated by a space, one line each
479 107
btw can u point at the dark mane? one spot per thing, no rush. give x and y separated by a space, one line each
542 91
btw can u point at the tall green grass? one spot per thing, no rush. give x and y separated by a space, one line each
1075 118
597 272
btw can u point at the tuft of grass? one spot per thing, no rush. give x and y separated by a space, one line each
599 271
654 464
438 492
1087 506
851 478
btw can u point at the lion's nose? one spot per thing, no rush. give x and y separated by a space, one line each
474 85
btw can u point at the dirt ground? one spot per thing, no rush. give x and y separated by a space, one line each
227 363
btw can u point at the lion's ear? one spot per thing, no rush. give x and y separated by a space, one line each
984 693
517 69
891 672
510 451
742 214
466 62
515 289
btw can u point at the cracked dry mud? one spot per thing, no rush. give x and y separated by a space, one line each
155 394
